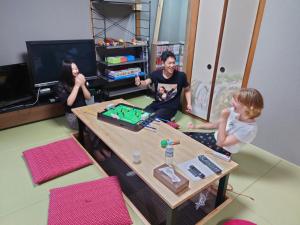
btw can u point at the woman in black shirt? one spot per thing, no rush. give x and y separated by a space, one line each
73 92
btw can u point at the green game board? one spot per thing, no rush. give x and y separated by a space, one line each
124 115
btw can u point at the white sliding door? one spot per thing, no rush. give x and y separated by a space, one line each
208 28
239 25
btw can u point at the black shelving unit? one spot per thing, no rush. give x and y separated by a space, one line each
124 63
117 88
124 20
108 15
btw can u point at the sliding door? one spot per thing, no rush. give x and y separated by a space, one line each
207 37
237 35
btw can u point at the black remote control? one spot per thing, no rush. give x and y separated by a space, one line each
196 172
206 161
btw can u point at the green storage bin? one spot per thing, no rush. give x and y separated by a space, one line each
113 60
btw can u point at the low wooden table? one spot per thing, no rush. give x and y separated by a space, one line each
124 142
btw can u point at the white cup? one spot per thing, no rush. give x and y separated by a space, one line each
136 156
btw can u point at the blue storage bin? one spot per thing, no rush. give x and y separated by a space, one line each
130 58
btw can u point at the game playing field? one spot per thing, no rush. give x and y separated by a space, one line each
125 113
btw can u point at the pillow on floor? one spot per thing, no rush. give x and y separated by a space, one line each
239 222
89 203
55 159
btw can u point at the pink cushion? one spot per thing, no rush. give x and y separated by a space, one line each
55 159
239 222
98 202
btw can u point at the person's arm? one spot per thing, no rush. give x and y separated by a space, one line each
142 83
208 126
86 92
79 81
188 98
73 95
223 139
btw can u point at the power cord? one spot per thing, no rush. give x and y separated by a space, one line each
230 189
37 99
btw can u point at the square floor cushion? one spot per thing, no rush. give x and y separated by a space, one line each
238 222
98 202
55 159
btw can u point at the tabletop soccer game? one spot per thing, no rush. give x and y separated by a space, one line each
127 116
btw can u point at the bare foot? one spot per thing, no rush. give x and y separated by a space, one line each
191 125
99 156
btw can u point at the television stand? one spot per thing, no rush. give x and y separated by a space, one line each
30 114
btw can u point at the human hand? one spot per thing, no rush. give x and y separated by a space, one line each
225 114
189 108
137 81
82 79
78 82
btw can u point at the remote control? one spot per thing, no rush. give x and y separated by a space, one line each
147 121
222 156
196 172
206 161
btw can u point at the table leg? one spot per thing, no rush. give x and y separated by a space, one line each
171 216
222 190
81 131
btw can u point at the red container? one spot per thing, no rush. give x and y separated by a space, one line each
123 59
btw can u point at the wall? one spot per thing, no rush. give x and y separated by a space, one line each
276 73
40 20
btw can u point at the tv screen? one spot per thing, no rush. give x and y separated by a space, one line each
15 84
45 59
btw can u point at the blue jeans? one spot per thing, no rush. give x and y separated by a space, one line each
162 113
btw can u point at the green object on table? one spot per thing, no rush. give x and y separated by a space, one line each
125 113
164 143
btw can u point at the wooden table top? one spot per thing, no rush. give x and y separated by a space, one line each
124 142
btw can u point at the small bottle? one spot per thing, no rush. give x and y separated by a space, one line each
169 155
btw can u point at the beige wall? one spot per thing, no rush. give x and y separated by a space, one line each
276 73
22 21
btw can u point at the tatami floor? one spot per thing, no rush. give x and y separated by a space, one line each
273 182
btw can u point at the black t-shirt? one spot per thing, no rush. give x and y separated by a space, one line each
63 91
168 91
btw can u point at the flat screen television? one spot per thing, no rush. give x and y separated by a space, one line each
45 59
15 84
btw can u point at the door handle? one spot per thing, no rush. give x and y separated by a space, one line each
222 69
